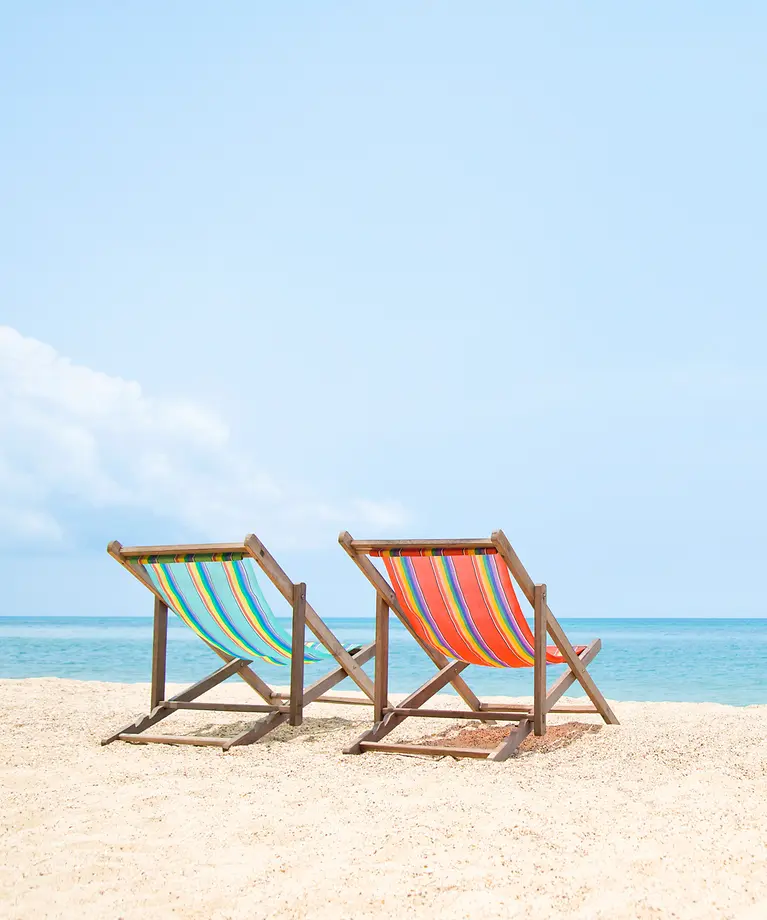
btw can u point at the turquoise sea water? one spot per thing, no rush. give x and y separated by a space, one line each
719 661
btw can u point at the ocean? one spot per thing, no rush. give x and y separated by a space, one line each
705 660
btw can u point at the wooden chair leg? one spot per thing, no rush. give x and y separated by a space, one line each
159 652
511 744
579 670
416 699
521 576
539 677
191 693
382 659
257 731
297 655
563 683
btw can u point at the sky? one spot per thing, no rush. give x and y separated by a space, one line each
407 269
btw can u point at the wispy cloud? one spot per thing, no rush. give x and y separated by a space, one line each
76 443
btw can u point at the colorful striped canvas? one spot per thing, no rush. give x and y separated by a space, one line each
462 603
218 596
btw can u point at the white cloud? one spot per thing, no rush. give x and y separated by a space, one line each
74 438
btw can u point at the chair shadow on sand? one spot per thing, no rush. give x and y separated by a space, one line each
312 729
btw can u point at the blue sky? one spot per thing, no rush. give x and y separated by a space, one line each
407 269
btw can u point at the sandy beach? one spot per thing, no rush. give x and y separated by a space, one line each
662 816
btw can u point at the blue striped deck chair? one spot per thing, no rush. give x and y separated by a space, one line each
214 590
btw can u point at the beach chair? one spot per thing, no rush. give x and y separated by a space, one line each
457 599
214 590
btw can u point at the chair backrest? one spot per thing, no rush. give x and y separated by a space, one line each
461 601
218 596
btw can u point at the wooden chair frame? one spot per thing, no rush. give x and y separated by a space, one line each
387 717
278 707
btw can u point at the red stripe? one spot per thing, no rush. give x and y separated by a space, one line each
412 617
427 579
477 602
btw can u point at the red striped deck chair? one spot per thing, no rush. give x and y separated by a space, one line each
457 599
214 590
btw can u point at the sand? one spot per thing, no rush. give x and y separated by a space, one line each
662 816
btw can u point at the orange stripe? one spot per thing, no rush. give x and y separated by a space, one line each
450 629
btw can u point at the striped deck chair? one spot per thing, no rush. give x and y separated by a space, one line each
214 590
457 599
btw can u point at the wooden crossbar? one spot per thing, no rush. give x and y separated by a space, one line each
502 715
344 700
182 549
431 750
566 707
528 718
223 707
198 740
370 546
502 752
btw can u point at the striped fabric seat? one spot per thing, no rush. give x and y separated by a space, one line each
462 603
218 596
